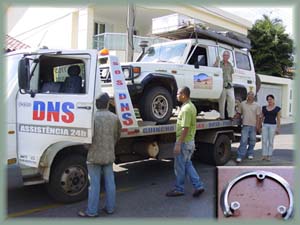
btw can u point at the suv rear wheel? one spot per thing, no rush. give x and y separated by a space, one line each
156 105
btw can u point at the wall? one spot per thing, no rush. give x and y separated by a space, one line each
36 27
287 93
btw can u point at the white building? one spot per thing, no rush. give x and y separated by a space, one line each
282 89
105 25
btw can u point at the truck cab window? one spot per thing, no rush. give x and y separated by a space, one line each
198 56
242 61
61 75
221 50
212 55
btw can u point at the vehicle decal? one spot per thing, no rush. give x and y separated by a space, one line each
53 130
159 129
203 81
53 111
124 107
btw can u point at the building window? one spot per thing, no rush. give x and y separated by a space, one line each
99 28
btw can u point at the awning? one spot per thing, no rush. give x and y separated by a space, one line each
13 44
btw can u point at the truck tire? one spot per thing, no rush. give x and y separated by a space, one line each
216 154
69 179
156 105
221 150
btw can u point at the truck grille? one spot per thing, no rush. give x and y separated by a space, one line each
105 74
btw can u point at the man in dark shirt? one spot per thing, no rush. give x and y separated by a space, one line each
100 158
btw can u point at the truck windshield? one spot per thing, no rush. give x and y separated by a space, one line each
171 53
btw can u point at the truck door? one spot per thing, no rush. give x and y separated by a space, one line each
57 107
204 79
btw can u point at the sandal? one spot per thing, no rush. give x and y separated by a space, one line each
84 214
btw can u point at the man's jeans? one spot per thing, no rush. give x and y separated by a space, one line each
95 171
183 166
268 134
227 94
248 134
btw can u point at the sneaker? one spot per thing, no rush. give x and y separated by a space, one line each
250 157
84 214
174 193
106 211
238 160
198 192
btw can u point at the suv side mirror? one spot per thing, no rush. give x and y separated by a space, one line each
24 74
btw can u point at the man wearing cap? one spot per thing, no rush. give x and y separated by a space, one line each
100 158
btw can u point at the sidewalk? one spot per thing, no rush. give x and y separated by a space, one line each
283 154
287 120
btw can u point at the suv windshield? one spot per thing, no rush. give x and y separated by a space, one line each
165 53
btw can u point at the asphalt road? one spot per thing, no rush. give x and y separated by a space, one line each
141 189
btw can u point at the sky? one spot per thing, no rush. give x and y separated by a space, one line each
254 13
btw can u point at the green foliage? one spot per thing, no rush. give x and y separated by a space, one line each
272 48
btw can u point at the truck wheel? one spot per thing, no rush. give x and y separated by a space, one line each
156 105
69 179
221 150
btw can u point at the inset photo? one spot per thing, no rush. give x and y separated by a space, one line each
255 193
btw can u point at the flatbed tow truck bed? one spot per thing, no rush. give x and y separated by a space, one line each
146 128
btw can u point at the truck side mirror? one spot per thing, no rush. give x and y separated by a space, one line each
24 74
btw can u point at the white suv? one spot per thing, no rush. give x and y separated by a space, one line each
153 80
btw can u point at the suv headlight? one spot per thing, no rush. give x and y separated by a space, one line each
126 72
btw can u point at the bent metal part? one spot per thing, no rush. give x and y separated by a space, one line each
229 208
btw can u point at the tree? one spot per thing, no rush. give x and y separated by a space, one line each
272 48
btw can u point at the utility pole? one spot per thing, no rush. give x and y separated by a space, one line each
130 30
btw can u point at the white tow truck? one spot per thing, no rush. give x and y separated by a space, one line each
49 121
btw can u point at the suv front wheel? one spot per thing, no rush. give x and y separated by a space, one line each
156 105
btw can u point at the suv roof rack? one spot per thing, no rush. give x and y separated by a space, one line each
196 31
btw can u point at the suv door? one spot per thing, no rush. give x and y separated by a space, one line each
244 73
203 78
57 109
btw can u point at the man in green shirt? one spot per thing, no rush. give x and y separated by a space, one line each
185 146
